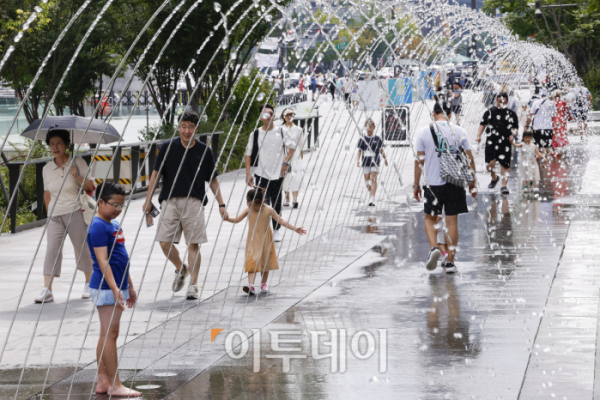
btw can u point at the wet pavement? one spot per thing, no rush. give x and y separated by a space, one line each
519 321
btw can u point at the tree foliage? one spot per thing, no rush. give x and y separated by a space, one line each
30 51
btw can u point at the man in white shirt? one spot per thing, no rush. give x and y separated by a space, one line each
266 153
541 113
440 196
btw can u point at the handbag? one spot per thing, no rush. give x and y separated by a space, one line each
87 202
454 167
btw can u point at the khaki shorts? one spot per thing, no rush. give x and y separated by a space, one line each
174 220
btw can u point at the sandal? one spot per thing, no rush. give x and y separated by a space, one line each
286 204
295 205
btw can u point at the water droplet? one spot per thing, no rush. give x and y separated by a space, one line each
260 97
217 7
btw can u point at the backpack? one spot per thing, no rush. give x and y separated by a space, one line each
454 167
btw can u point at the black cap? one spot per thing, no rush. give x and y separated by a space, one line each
442 107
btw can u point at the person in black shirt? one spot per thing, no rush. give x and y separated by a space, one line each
503 126
185 164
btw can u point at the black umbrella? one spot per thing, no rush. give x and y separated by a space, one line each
77 127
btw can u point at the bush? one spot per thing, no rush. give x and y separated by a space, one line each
591 79
161 131
24 213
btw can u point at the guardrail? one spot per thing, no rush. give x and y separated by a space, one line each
140 154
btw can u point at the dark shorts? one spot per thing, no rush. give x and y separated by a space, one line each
501 152
450 198
580 114
456 110
543 137
313 88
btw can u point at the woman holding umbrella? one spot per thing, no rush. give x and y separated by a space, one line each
61 203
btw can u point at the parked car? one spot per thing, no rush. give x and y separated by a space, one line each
385 73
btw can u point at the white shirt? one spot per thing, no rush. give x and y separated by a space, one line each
296 135
450 135
53 177
545 109
271 151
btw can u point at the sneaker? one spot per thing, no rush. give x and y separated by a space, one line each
286 204
493 183
192 292
180 278
444 259
264 287
250 290
276 236
371 204
45 296
504 190
451 268
86 292
434 256
295 205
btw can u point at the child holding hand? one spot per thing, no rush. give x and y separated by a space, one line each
528 166
260 248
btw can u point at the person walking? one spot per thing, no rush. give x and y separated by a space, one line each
111 287
583 99
293 180
503 126
183 198
60 201
266 154
347 90
261 255
559 123
456 101
528 166
370 148
540 118
440 196
313 85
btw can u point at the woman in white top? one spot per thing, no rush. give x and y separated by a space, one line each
293 180
60 203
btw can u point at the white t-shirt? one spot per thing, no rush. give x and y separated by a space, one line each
544 109
53 177
270 153
450 135
296 135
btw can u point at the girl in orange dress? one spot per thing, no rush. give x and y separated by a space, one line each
261 255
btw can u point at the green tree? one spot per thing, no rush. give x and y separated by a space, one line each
93 61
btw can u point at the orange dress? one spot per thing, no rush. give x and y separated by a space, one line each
261 255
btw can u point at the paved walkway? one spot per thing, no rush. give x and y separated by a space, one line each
519 321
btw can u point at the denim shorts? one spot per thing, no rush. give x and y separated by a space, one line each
106 296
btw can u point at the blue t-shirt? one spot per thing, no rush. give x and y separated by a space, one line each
371 149
104 234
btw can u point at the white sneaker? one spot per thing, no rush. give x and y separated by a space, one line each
86 291
192 292
276 236
451 268
45 296
179 279
434 256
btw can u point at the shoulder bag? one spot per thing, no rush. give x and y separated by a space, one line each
454 167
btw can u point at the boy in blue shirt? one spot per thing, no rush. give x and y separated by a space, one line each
370 147
110 286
